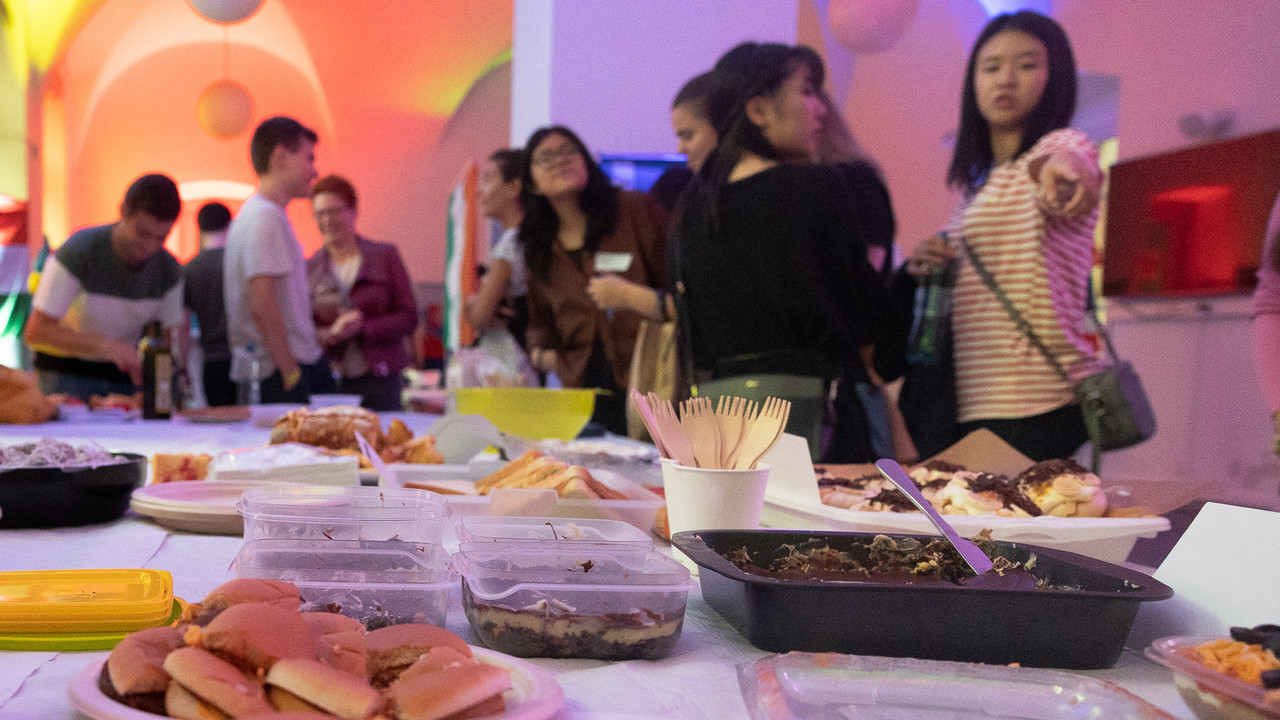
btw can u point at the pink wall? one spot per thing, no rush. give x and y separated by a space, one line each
1173 57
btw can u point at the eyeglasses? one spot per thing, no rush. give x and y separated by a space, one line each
550 155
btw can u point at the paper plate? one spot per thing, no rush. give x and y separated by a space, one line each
535 694
195 506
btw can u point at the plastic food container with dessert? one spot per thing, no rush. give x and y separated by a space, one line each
573 601
1208 693
376 582
47 497
315 512
485 528
1079 622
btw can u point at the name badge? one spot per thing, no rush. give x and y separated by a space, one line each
613 262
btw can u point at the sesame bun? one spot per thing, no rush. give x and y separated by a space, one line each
434 695
237 592
391 649
256 635
136 665
213 680
327 688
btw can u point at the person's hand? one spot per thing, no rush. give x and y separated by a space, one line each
1064 191
125 357
346 326
610 291
543 359
1275 441
930 253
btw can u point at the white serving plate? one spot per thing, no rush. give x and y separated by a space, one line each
535 694
1107 539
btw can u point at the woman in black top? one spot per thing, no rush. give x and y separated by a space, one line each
769 263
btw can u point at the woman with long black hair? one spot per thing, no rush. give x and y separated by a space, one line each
770 267
1030 187
579 228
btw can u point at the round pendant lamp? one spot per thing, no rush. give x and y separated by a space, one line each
225 109
226 11
870 26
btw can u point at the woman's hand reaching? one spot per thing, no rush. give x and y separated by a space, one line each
1066 190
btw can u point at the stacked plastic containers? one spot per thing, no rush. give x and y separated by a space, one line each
81 609
370 553
564 588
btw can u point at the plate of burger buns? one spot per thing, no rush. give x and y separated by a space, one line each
247 651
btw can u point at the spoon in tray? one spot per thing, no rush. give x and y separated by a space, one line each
976 559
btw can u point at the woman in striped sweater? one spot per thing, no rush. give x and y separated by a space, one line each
1030 187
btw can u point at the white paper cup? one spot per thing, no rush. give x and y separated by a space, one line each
706 499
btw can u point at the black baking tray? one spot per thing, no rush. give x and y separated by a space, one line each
1080 628
46 497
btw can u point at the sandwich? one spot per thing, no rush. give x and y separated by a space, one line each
536 470
390 650
203 682
254 636
456 692
244 590
320 686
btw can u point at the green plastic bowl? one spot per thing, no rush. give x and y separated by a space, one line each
534 413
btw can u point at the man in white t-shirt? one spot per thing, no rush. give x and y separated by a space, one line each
264 274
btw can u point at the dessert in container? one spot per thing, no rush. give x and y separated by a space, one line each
805 685
46 497
577 600
84 601
314 512
376 582
1081 622
1208 693
485 528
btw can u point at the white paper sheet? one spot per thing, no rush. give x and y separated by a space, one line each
1223 573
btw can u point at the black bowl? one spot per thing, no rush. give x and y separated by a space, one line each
46 497
1083 627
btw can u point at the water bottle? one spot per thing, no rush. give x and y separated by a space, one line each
248 371
930 337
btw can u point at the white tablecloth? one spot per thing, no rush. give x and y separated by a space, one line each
698 680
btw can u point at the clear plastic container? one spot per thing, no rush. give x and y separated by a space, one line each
1210 694
485 528
378 583
573 601
79 601
313 512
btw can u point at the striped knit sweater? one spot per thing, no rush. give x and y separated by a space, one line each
1042 263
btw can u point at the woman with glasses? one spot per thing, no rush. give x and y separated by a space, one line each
588 247
361 299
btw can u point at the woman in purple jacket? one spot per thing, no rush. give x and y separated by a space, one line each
361 300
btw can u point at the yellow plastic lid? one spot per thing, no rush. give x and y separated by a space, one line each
78 641
61 601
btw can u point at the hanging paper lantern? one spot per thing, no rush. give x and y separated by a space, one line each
870 26
225 109
225 11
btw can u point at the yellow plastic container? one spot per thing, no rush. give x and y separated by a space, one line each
84 601
534 413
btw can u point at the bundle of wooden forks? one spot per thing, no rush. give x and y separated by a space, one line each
733 435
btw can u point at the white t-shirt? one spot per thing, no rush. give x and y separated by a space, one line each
260 241
508 249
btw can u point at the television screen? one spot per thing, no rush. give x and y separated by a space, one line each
1191 222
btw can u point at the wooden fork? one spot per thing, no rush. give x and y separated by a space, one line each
731 419
673 437
699 423
764 432
650 422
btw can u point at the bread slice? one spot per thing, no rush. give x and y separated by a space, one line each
176 467
512 468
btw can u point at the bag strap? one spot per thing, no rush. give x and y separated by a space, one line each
1021 322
